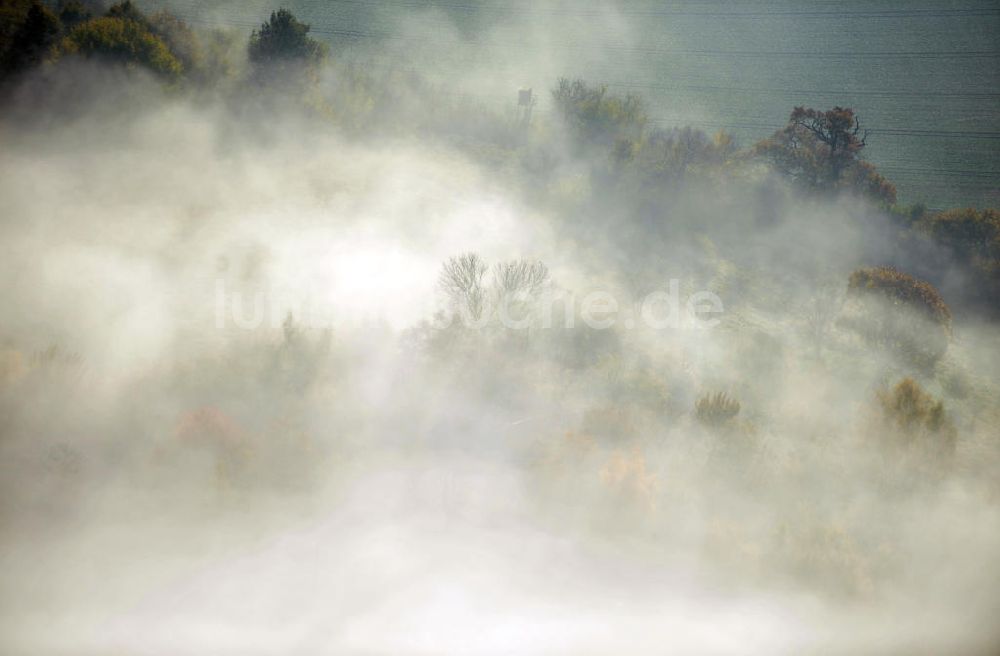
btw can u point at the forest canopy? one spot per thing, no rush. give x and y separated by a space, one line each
819 152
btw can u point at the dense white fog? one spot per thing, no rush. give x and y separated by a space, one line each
242 409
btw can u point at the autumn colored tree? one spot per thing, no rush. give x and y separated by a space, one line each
901 312
670 154
821 152
595 116
180 39
122 41
972 238
914 420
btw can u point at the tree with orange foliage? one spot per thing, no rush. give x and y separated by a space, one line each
972 238
901 312
219 437
821 152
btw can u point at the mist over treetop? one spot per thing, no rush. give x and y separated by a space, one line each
323 319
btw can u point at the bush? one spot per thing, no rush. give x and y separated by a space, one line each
597 117
903 313
972 235
716 410
219 438
901 288
972 238
914 418
670 154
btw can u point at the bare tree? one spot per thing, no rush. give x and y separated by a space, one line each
519 277
511 286
462 281
515 285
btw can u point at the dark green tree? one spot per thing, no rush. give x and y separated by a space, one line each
12 15
72 13
284 39
128 11
33 40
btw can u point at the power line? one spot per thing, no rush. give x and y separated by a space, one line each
962 178
804 54
903 132
812 92
946 172
534 9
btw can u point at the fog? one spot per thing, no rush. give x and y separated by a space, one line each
242 410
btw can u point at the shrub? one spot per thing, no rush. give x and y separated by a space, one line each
908 406
716 410
671 154
627 476
903 313
972 238
825 553
597 117
972 235
904 289
213 434
914 418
